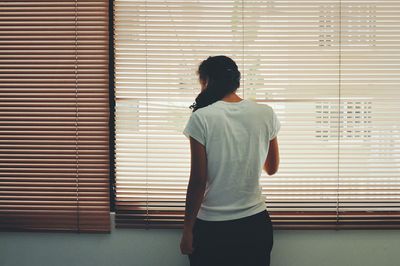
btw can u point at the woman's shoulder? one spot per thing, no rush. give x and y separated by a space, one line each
262 106
209 109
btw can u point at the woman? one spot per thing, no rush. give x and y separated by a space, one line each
231 141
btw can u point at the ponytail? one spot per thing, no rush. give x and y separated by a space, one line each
223 78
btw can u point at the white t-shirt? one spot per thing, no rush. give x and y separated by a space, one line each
236 136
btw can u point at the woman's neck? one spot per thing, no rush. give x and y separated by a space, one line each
232 97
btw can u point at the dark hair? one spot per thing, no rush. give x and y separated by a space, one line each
223 78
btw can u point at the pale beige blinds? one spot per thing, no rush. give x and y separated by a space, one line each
330 69
54 155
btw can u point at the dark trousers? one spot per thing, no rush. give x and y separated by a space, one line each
242 242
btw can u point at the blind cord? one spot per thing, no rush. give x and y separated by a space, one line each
339 115
243 46
76 117
147 119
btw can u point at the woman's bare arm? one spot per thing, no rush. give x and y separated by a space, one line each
271 164
195 193
197 183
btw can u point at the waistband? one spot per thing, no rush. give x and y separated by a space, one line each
264 215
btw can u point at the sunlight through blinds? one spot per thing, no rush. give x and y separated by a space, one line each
330 70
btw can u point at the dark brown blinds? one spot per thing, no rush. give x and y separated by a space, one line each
54 155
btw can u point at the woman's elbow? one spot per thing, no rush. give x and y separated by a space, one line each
271 170
271 166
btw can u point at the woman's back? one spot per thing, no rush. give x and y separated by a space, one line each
236 136
226 221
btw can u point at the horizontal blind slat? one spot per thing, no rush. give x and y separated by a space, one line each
54 147
329 69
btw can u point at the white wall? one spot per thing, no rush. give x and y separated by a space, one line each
155 247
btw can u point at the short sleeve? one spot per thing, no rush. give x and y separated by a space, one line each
276 125
195 129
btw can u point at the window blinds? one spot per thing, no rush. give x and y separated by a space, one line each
54 155
330 70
